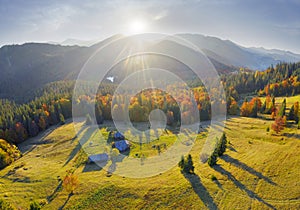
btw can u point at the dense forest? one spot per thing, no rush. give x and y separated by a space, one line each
53 103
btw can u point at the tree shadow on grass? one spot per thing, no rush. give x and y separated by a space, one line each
218 184
290 135
93 167
51 197
247 168
65 203
200 190
87 135
250 193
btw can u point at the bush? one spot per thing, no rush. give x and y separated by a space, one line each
268 129
213 178
35 206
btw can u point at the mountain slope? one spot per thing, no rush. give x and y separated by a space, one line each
257 172
24 68
230 53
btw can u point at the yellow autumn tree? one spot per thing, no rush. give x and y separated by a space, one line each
70 182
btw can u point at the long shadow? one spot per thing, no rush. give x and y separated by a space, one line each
200 190
93 167
247 168
88 133
218 184
51 197
297 136
65 203
250 193
79 132
231 148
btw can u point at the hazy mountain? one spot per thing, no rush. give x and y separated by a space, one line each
78 42
229 53
24 68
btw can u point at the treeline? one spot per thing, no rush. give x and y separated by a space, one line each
48 106
53 103
281 80
176 103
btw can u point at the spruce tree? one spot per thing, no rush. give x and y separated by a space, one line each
291 113
212 160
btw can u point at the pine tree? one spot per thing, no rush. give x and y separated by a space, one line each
186 165
181 162
282 109
189 166
212 160
223 141
291 113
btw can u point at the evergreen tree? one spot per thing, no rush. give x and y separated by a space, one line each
181 162
186 165
189 165
282 108
212 160
223 144
291 113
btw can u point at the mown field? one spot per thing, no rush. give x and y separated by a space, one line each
259 170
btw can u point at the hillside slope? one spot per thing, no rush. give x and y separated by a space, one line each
258 171
25 68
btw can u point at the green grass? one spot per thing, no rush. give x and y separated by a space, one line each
289 100
259 175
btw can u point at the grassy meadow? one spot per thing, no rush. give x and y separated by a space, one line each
259 170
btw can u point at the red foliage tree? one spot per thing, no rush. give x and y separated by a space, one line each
278 124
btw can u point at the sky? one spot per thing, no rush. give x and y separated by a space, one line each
258 23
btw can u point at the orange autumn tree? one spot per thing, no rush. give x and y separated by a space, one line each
278 124
70 182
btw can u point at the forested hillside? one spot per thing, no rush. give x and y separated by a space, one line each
52 104
25 68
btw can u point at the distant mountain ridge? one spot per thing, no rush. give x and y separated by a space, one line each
27 67
224 51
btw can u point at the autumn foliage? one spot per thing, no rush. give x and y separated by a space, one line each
278 124
70 182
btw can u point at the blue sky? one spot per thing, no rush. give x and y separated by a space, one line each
271 24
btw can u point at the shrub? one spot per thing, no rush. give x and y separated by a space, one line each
35 206
213 178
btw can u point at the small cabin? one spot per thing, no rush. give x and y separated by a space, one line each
98 158
122 145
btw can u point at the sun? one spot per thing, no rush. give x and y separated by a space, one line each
137 26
